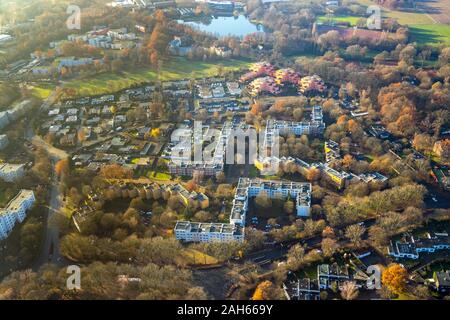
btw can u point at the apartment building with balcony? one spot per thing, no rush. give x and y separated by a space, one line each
11 172
15 211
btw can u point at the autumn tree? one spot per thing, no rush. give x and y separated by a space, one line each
289 206
329 246
313 174
394 277
62 167
115 171
262 290
191 185
295 257
263 201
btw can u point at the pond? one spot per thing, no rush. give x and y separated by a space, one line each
238 26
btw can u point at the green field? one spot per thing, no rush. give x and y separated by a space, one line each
178 68
352 20
430 33
42 91
158 176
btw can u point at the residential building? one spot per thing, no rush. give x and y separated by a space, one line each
332 151
263 85
442 281
234 89
330 275
410 247
179 47
302 289
208 232
11 172
247 188
15 211
288 75
4 38
74 62
311 83
222 51
3 141
258 69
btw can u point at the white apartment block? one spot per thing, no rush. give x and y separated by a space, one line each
247 188
11 172
180 165
15 211
208 232
3 141
14 113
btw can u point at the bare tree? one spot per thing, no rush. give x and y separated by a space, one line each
354 233
349 290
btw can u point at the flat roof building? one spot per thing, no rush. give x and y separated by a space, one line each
15 211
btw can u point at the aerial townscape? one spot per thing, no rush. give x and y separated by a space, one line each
225 150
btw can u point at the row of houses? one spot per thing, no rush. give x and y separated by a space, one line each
218 89
328 276
411 248
15 211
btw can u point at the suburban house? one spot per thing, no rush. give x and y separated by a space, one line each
410 247
301 289
442 280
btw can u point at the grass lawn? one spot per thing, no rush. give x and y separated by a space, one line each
42 91
197 257
159 175
178 68
253 172
430 33
345 18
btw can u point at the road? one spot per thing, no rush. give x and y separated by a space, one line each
50 249
54 153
